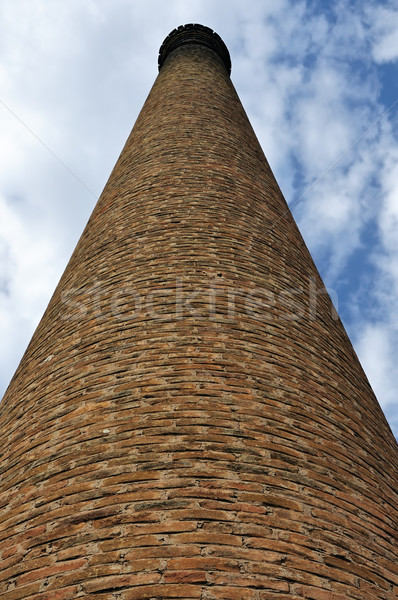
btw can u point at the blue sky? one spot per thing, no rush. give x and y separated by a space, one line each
319 83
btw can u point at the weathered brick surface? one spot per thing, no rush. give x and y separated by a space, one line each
190 420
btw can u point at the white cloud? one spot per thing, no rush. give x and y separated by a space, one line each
374 348
383 23
377 350
29 274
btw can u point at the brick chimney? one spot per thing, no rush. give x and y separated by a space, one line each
190 419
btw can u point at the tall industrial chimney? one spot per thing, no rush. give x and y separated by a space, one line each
190 419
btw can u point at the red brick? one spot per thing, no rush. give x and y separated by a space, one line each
53 569
120 581
62 594
186 591
185 577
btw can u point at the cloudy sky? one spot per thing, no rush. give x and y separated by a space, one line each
319 82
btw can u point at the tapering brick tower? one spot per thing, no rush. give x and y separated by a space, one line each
190 419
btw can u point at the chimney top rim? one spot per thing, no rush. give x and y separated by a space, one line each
194 33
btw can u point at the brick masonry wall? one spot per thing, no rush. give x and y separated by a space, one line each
190 419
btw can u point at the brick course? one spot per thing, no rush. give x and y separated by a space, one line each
190 419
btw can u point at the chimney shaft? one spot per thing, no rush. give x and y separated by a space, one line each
190 419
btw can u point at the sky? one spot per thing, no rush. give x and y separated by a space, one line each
318 80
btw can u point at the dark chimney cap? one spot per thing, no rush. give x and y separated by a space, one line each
194 34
